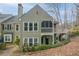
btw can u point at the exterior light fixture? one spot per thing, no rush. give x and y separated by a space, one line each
20 19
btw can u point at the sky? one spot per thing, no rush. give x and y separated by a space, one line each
13 8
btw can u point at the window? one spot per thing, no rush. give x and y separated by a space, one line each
35 26
30 26
25 26
7 38
17 27
7 26
3 26
10 27
46 24
35 41
25 40
30 41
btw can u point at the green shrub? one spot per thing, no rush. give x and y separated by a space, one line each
17 41
43 47
27 48
74 34
2 46
66 41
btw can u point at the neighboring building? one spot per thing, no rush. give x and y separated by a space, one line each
34 27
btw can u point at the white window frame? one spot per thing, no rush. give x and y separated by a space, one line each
5 26
18 29
10 35
37 27
37 40
32 39
33 27
27 26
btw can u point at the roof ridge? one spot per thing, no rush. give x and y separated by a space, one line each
37 5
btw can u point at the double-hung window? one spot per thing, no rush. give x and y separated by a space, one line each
7 38
17 27
35 27
30 41
7 27
30 26
25 41
25 26
35 41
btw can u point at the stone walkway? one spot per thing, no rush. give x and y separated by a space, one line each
70 49
8 50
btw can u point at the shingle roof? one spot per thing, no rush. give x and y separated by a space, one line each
11 19
4 17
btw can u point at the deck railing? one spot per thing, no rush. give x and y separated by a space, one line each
46 29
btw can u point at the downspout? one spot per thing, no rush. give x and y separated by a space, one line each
53 32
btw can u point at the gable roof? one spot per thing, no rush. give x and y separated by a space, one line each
11 20
41 11
4 17
37 7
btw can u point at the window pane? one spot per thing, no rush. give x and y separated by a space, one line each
30 26
35 26
25 26
17 27
7 26
49 24
30 41
35 41
25 40
3 26
8 38
5 38
46 24
43 24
